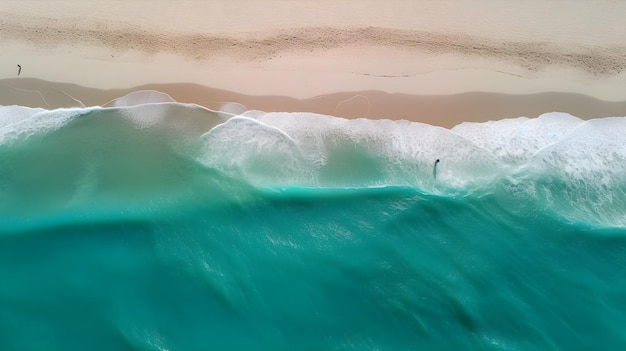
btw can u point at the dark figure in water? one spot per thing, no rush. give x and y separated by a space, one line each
435 169
19 69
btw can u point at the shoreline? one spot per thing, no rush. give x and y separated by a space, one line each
440 110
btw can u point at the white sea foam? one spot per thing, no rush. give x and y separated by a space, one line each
587 169
252 150
17 122
14 114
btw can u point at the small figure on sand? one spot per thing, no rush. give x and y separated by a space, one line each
435 169
19 69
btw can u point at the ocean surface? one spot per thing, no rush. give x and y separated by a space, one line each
155 225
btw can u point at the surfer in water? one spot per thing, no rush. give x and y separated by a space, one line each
19 69
435 169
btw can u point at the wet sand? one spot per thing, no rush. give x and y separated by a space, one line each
442 110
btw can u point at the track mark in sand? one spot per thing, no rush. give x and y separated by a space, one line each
512 74
389 75
429 72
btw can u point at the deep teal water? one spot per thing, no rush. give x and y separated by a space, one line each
163 228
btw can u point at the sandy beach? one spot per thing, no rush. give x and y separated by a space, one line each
434 62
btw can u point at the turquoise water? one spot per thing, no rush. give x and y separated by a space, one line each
165 226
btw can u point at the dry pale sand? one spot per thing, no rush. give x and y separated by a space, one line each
438 62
